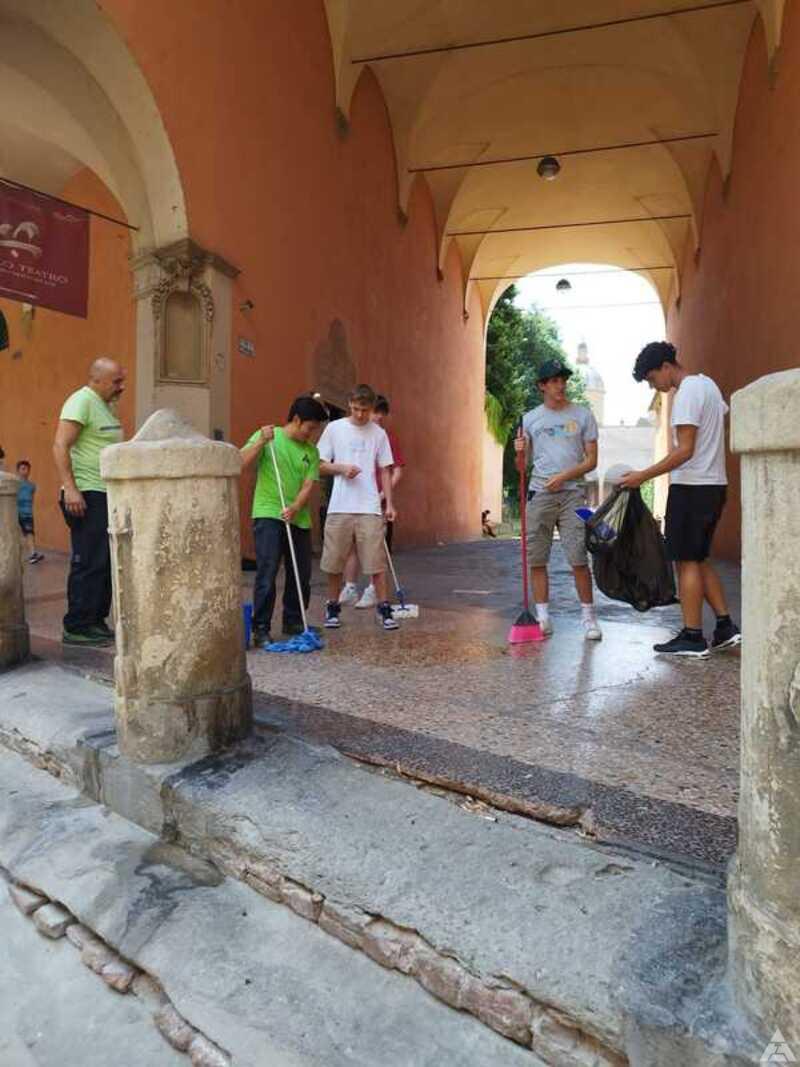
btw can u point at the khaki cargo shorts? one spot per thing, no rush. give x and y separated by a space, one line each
341 531
545 512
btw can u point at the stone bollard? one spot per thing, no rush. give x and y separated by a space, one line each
182 688
14 637
764 888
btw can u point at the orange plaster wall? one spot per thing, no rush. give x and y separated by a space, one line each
738 310
55 353
310 217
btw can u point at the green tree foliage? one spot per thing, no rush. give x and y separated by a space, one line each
517 343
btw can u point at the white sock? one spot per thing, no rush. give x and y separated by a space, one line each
542 613
587 610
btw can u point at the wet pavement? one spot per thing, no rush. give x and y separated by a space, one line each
625 745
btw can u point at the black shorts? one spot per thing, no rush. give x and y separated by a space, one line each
693 512
26 523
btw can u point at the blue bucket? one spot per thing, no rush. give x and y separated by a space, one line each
247 615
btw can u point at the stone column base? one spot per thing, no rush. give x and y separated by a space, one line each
15 644
764 953
162 731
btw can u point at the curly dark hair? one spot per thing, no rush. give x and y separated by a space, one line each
652 357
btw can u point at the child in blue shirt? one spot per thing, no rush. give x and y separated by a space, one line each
25 493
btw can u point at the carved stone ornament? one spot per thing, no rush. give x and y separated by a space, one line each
180 274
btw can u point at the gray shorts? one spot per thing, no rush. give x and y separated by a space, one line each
545 512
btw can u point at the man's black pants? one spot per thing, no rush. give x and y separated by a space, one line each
89 582
272 546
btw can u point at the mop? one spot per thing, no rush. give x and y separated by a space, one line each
525 627
400 610
308 640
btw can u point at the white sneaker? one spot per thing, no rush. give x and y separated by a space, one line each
591 631
349 593
546 627
368 598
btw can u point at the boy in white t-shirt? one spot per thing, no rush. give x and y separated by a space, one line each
698 484
351 449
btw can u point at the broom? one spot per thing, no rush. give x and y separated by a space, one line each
308 640
525 628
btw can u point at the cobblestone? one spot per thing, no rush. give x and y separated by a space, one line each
52 920
27 900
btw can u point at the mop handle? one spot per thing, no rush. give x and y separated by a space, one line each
391 566
289 535
523 515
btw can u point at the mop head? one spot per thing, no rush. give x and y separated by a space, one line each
308 641
402 610
524 630
405 611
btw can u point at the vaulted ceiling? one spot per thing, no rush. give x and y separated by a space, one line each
563 83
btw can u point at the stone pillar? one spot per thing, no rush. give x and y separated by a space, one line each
764 888
182 689
14 639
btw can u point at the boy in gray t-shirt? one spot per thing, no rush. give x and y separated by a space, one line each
561 440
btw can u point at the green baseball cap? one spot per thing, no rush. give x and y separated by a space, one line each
553 368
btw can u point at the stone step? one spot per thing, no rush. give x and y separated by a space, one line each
260 982
575 951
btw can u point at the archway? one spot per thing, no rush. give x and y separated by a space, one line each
78 105
602 315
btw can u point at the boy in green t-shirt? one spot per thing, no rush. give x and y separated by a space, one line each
298 463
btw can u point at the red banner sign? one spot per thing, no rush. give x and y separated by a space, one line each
44 251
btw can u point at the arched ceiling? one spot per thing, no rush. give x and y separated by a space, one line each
646 80
75 97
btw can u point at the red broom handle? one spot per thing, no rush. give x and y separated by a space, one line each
523 520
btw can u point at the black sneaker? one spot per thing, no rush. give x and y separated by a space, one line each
101 629
261 637
291 629
726 635
85 639
35 557
683 644
385 616
332 611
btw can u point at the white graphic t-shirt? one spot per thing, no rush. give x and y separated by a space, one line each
698 402
365 447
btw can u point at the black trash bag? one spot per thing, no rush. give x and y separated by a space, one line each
604 527
631 565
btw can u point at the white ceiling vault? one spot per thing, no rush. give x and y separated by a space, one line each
670 76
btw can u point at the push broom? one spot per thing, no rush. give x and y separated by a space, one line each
525 629
308 640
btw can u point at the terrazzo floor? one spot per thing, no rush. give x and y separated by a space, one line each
610 715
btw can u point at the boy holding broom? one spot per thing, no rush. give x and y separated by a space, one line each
298 463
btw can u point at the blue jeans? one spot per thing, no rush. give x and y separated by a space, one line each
272 546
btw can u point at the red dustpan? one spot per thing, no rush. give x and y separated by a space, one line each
525 628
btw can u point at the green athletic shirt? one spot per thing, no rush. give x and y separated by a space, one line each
101 427
297 462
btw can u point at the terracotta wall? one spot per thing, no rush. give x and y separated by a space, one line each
310 217
49 356
738 311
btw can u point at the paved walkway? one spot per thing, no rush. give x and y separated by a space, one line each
607 736
55 1012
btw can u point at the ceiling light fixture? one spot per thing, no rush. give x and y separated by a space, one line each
563 286
548 168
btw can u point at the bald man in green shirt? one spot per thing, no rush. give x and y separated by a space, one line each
87 425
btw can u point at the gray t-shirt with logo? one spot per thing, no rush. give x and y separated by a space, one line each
558 441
